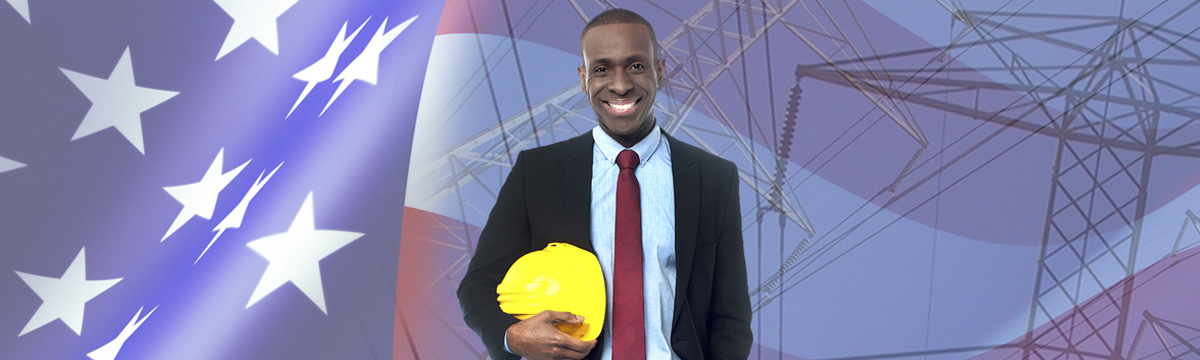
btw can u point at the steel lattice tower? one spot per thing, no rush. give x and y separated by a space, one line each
1112 114
699 51
1111 111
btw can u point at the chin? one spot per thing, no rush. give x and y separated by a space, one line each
623 128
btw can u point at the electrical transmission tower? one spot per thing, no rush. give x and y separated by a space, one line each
700 51
1114 109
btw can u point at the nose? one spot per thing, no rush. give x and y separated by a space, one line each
621 83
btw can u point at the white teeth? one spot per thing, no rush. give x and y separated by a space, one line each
621 107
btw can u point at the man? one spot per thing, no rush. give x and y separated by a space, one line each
663 218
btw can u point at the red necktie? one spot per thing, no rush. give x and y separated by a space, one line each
629 324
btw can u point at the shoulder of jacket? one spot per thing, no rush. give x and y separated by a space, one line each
706 160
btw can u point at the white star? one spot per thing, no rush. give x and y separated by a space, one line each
116 102
295 255
323 69
200 198
109 351
365 66
22 7
253 19
6 165
64 297
235 217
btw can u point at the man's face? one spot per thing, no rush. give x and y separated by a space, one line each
621 76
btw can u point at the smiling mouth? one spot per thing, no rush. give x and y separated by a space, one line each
622 107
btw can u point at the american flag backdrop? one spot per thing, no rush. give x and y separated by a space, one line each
203 179
252 179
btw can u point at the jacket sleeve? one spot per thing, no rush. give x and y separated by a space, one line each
730 336
504 239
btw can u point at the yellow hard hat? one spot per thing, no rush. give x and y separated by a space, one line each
560 277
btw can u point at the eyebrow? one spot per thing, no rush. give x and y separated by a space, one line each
629 59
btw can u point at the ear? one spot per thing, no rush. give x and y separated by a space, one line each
583 80
659 66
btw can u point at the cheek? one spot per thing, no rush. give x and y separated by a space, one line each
594 86
651 95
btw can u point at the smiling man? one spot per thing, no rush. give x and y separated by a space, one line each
662 217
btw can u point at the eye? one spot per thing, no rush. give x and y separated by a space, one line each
600 70
638 66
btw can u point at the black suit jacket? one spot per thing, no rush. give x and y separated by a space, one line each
547 198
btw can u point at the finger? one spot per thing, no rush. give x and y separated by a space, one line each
576 345
564 317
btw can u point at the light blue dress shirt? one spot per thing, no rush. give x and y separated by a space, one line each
657 189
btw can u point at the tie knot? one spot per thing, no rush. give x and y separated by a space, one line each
627 159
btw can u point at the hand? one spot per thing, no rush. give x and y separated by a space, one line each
536 338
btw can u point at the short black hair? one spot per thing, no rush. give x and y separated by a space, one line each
621 16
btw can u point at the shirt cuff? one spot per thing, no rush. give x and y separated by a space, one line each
506 342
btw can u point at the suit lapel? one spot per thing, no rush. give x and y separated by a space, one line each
577 178
687 217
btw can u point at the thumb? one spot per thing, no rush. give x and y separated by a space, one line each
563 317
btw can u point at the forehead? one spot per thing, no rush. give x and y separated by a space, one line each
616 42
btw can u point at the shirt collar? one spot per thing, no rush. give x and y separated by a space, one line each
610 148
